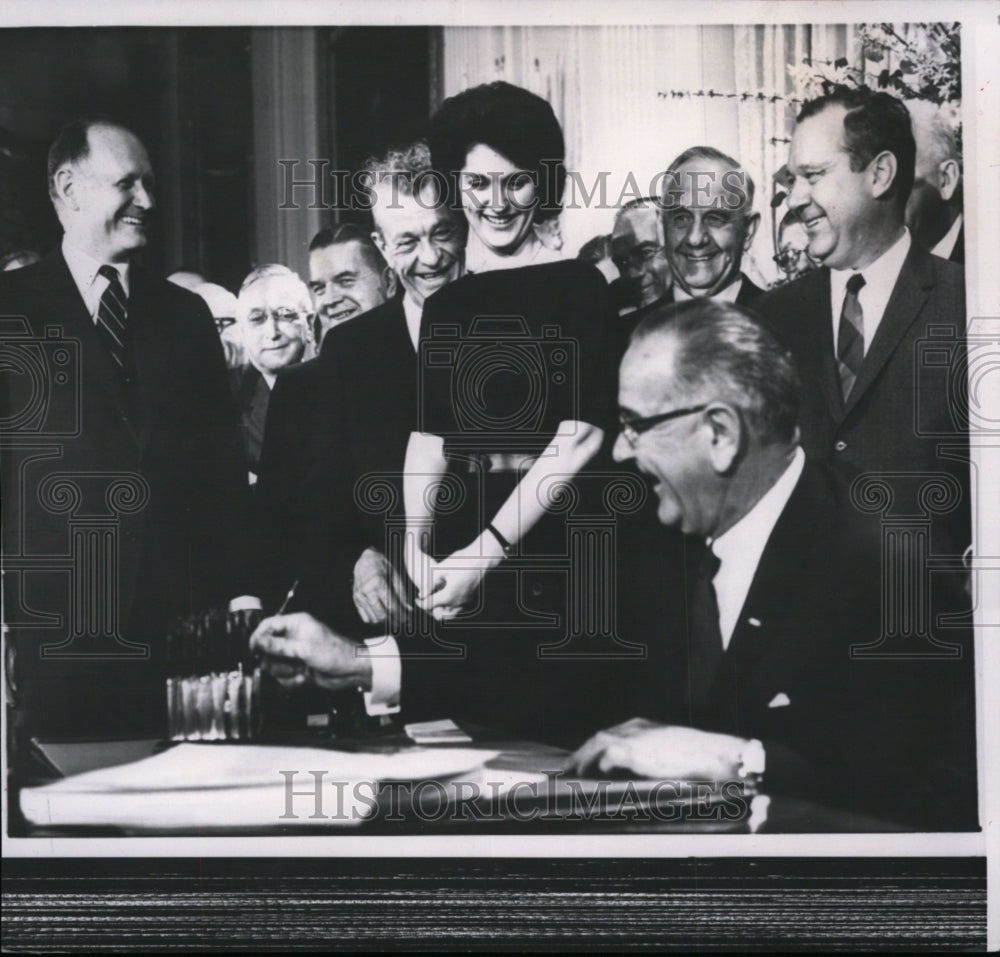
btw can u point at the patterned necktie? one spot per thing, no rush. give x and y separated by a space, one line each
851 336
111 316
704 636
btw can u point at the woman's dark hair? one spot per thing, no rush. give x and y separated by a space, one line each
513 121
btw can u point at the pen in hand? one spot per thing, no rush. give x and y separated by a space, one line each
288 597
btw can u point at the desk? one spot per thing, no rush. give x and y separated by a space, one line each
520 790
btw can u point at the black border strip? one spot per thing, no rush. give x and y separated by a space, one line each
287 905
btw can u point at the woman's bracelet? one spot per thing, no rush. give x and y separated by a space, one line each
504 544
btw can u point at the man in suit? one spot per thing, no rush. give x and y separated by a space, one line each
349 414
877 331
637 250
934 209
792 257
123 472
347 276
762 671
272 312
708 224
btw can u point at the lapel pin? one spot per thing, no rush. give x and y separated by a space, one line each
754 622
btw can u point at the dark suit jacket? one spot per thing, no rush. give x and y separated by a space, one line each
331 422
891 737
121 503
958 250
252 396
907 412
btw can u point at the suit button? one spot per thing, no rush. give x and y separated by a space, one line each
536 590
839 446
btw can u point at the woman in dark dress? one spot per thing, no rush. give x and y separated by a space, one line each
517 389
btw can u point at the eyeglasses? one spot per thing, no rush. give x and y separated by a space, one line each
632 427
789 257
637 258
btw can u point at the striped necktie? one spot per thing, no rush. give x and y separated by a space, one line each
851 336
111 316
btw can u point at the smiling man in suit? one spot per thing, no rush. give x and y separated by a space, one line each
350 412
863 327
123 502
709 225
763 676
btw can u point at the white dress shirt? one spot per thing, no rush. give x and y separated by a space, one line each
83 268
726 294
740 547
413 314
880 278
947 242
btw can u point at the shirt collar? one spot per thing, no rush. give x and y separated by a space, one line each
880 275
84 268
747 538
947 242
726 294
413 314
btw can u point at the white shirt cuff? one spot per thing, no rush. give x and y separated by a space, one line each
245 603
387 676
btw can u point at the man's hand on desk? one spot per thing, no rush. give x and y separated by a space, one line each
297 649
379 589
669 752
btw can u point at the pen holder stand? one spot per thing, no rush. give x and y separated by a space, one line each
213 683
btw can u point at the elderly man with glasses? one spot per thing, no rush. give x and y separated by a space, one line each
272 314
774 671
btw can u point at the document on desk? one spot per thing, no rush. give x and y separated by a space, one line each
221 786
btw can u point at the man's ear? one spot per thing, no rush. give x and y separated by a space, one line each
753 221
66 185
949 176
379 242
389 280
883 170
727 436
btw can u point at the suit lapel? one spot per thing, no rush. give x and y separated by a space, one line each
152 357
912 288
775 579
817 343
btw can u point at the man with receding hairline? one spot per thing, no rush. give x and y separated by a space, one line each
760 679
141 394
708 225
350 412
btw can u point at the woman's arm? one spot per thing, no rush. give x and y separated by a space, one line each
424 466
457 577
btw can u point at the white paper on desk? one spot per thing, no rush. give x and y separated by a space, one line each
233 786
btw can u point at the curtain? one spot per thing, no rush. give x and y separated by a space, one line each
630 98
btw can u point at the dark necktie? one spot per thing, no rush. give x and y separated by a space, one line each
851 336
704 637
111 316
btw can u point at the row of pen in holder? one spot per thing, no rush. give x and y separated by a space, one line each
213 684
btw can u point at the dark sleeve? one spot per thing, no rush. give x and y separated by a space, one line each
279 507
223 525
593 320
